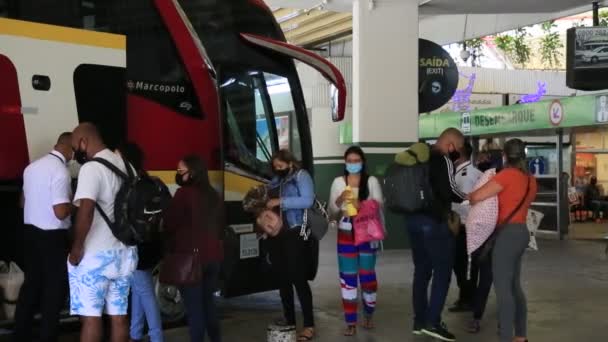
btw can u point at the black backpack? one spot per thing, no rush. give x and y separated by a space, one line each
407 188
138 207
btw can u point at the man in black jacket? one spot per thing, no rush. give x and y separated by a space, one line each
432 241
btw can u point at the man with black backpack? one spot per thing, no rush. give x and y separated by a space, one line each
100 265
431 239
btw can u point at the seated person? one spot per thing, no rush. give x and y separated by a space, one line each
594 199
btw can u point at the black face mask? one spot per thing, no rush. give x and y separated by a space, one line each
484 166
282 173
80 157
454 156
179 179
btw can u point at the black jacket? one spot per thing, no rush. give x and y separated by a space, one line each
445 190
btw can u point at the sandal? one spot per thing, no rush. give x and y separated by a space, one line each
350 330
368 324
307 334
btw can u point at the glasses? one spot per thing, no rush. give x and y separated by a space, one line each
182 171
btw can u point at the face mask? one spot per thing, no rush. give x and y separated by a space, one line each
354 168
80 157
282 173
454 156
179 179
485 166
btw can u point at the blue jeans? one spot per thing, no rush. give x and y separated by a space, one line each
200 306
433 253
144 308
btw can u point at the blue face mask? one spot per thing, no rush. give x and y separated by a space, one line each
354 168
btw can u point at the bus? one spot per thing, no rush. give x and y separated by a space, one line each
205 77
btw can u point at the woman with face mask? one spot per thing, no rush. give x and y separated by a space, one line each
293 257
516 189
357 263
193 222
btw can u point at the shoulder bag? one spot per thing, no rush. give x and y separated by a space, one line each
488 246
181 268
315 221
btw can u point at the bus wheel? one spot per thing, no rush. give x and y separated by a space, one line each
170 301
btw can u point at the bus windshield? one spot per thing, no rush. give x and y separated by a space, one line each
260 118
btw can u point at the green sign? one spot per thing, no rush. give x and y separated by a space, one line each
564 113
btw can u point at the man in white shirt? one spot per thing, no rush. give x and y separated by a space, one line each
47 205
466 176
100 266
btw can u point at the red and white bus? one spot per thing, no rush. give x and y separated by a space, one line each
214 78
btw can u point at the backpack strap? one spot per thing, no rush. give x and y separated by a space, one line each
124 176
116 170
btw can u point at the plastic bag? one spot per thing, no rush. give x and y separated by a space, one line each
11 279
368 223
533 222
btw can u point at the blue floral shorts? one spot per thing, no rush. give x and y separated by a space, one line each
100 283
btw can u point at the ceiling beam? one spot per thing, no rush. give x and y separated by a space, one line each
320 24
325 34
304 19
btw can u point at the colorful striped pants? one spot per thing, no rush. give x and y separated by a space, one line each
356 263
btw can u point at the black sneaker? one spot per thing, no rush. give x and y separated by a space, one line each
418 329
461 307
439 332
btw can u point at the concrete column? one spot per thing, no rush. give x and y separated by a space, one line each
385 72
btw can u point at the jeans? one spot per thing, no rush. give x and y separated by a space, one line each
433 253
511 244
200 306
481 277
144 308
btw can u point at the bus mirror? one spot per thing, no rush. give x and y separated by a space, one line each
322 65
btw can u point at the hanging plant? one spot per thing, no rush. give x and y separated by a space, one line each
550 46
521 49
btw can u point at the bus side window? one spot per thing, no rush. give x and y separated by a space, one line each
101 99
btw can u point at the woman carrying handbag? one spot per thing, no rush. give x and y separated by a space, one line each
294 257
516 189
356 261
193 222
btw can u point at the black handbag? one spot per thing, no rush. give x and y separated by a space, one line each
315 222
488 246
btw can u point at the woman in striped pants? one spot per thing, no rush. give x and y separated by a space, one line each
356 263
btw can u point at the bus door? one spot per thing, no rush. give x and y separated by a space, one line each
13 158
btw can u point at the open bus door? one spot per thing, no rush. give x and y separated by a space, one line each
13 147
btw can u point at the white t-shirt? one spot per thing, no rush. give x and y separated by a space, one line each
100 184
46 183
